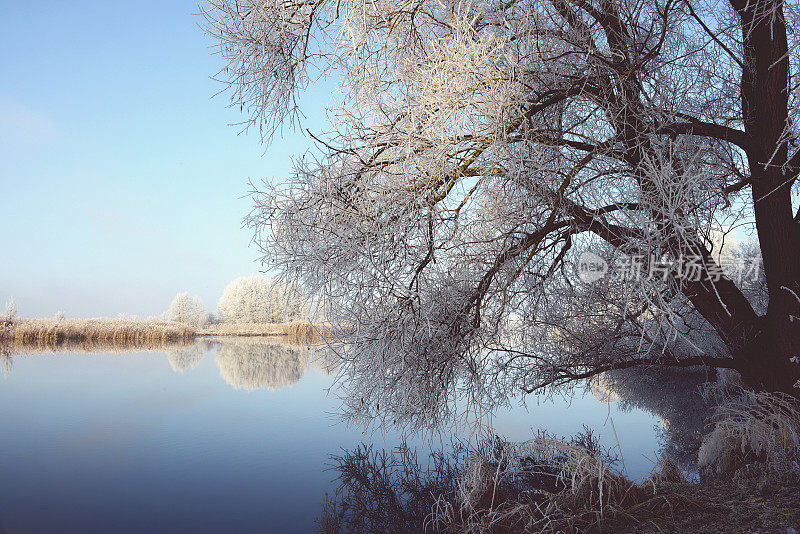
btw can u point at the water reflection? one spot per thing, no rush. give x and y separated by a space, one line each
6 360
185 358
394 488
91 434
260 363
101 441
253 363
14 348
247 363
672 395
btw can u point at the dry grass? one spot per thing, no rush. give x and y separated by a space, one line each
98 334
89 334
756 428
575 491
300 332
543 485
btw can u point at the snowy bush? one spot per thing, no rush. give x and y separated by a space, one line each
187 310
256 299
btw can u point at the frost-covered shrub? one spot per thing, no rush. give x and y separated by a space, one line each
187 310
256 299
10 313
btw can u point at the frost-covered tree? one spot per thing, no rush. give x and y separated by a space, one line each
255 299
10 313
478 146
188 310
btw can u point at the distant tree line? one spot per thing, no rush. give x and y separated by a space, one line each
251 299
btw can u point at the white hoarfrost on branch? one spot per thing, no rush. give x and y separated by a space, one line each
478 147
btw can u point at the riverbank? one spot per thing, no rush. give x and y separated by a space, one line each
553 487
729 507
53 332
292 331
748 465
91 333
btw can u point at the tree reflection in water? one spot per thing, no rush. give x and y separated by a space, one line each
185 358
6 360
390 491
674 396
324 359
260 363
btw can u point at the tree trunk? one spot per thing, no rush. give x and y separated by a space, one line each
767 359
761 347
765 366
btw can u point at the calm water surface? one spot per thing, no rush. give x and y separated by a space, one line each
223 436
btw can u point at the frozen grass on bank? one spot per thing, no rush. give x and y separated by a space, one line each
542 485
551 485
756 429
300 332
88 332
101 333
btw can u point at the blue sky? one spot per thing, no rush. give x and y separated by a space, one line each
121 178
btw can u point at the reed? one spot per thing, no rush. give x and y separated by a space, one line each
98 334
299 332
542 485
754 429
90 333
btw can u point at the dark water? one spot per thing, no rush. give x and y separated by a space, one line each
226 436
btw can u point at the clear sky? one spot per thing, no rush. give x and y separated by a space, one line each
121 179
